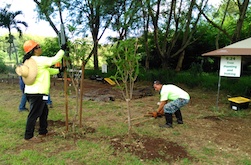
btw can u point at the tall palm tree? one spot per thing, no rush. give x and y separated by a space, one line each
8 21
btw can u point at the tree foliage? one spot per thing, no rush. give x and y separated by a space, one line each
173 33
94 15
229 18
9 21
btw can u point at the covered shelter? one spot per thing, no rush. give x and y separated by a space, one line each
241 48
231 57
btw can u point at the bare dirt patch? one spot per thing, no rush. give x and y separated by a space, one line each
149 148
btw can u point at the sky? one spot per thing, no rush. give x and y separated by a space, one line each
36 27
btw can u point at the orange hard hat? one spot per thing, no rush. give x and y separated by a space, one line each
29 45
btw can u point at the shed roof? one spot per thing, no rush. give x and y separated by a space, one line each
241 48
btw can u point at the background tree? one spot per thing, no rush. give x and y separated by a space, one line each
47 9
229 18
8 20
126 19
50 46
171 24
179 34
146 22
96 15
190 27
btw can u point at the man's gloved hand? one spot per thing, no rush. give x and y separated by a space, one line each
155 114
63 47
161 112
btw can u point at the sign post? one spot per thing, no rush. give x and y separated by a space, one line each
230 66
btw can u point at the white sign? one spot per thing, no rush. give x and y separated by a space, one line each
104 68
230 66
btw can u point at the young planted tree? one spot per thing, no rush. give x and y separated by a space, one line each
126 60
78 49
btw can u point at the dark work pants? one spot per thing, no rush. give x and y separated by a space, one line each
38 109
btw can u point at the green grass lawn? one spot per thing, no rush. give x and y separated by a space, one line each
207 141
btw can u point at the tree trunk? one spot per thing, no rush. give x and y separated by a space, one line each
164 63
180 62
10 40
95 55
129 119
218 35
147 65
146 18
242 14
147 52
15 49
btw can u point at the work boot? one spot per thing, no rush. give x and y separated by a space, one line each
34 140
51 133
178 116
166 126
169 121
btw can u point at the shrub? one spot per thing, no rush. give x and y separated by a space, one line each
3 67
209 81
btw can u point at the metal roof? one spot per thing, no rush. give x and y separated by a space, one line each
241 48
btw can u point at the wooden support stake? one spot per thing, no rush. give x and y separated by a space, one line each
142 121
137 118
81 93
66 97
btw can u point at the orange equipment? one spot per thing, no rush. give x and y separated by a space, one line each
155 114
57 65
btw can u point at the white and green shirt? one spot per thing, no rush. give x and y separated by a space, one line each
172 92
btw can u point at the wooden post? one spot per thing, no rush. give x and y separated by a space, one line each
81 92
66 97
